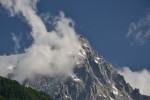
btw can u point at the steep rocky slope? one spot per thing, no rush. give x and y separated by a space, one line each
93 79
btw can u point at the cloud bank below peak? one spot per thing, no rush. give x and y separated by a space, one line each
137 79
52 53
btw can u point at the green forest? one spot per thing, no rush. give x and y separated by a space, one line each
12 90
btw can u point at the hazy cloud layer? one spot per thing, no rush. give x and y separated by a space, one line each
51 53
137 79
140 31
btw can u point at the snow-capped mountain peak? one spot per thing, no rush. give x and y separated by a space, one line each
95 79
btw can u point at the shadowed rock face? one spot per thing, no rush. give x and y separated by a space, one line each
93 79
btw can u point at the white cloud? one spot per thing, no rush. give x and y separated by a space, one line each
137 79
16 41
51 53
140 31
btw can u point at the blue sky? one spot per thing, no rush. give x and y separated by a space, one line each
104 22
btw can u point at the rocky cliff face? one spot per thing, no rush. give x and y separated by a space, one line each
93 79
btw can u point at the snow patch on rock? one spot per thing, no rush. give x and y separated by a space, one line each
115 90
75 78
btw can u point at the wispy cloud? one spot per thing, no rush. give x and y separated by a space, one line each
51 53
16 41
140 31
137 79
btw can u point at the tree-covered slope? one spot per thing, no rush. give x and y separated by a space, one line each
12 90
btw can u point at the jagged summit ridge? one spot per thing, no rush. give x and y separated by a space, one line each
93 79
